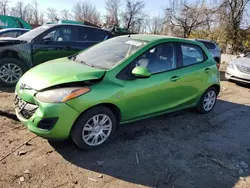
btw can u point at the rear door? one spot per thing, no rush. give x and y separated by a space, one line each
88 36
194 73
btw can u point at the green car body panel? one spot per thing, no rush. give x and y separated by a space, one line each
134 99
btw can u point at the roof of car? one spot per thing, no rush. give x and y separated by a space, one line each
203 40
79 25
14 29
151 38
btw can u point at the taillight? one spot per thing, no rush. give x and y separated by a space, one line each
218 65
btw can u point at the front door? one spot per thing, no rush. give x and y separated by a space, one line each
55 44
158 92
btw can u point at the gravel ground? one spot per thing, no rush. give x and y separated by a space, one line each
183 149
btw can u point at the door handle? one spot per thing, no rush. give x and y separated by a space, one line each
175 78
207 70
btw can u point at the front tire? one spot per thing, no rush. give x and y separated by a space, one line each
11 71
207 101
94 128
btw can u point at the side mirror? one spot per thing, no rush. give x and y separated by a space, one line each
47 39
141 72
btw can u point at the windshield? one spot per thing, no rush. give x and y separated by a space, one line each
109 53
34 33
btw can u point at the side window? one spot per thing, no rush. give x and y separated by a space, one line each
9 34
18 33
86 34
158 59
101 35
191 54
61 34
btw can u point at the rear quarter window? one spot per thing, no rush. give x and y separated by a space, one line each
192 54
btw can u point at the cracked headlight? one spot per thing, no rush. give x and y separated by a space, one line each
61 94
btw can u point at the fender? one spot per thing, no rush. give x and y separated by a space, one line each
21 52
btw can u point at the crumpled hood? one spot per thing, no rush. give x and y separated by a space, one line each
58 72
10 41
244 61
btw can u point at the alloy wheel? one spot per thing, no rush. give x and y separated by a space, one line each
10 73
209 100
97 130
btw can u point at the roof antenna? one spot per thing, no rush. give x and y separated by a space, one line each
129 35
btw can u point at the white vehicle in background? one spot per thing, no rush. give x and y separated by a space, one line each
238 70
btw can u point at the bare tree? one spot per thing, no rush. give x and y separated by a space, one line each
52 14
41 18
65 14
112 8
4 6
133 14
156 24
21 10
86 11
35 12
233 12
187 17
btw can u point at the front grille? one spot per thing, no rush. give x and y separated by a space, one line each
28 110
243 69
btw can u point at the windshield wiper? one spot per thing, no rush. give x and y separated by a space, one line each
73 57
87 64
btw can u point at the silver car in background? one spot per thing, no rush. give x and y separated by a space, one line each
239 70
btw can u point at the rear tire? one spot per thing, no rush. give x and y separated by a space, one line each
94 128
11 71
207 101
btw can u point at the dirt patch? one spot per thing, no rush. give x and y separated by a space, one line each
183 149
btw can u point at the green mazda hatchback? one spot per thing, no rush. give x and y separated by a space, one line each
124 79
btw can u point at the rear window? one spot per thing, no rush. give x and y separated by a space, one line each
209 45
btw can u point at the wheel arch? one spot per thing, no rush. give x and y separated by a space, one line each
216 87
116 111
9 53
